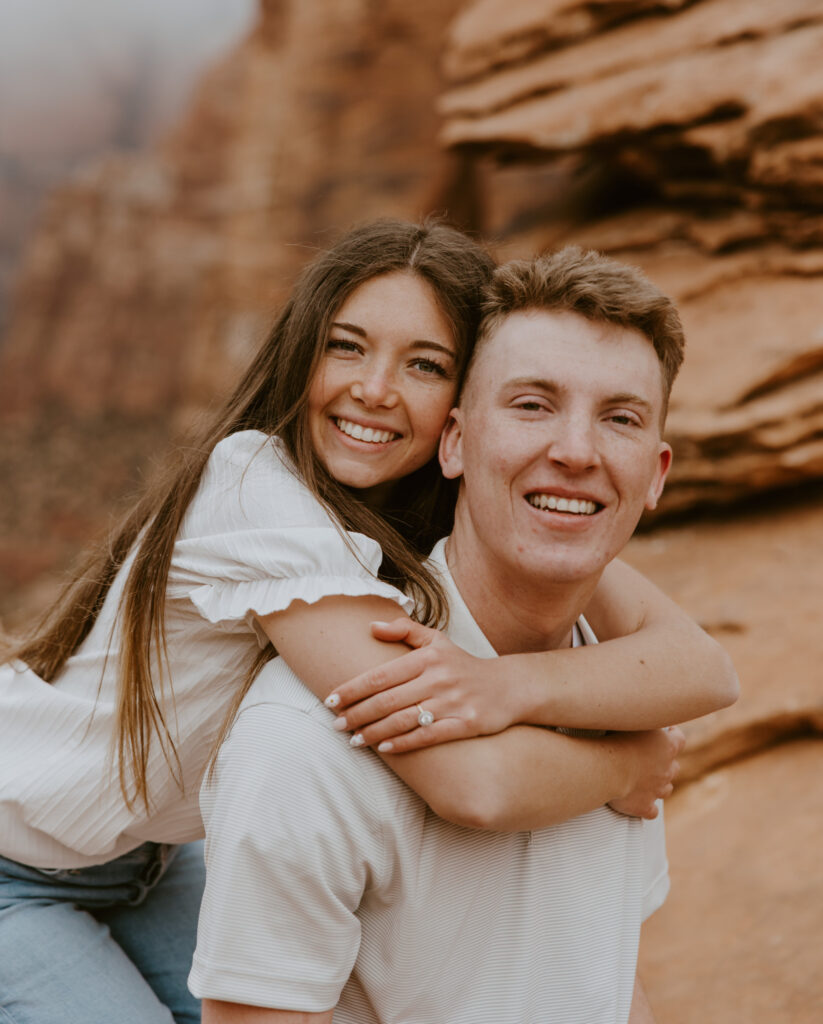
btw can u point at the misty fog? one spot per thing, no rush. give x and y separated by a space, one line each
79 78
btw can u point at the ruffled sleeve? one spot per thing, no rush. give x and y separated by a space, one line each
254 539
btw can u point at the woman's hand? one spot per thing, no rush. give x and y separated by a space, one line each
656 768
463 693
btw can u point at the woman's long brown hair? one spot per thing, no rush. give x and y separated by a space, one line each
272 398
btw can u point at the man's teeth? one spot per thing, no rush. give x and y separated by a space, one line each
577 506
365 433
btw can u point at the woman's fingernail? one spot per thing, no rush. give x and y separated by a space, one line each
332 700
377 623
356 740
339 723
385 747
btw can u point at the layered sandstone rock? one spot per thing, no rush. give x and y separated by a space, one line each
699 124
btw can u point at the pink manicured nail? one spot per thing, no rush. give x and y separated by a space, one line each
332 700
385 747
339 723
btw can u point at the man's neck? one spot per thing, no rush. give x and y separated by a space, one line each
517 615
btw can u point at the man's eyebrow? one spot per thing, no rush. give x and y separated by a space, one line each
417 344
553 387
533 382
628 398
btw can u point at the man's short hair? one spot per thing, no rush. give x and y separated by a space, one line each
601 289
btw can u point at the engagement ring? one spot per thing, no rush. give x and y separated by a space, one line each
425 717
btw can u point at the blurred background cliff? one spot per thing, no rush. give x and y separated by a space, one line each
164 172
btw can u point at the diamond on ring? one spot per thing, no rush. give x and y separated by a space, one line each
425 717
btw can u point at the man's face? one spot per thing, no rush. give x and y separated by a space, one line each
558 442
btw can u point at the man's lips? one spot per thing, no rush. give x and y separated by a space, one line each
578 506
360 432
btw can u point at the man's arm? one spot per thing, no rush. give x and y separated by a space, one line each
293 837
524 778
216 1012
641 1012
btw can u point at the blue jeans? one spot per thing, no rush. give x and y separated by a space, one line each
110 944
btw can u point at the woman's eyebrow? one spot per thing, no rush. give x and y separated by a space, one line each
349 327
425 343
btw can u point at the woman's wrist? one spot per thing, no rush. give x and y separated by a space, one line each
528 695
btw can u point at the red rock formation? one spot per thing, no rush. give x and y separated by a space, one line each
682 119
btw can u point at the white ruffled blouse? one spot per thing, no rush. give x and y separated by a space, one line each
253 540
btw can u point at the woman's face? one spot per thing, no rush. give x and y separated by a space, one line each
385 384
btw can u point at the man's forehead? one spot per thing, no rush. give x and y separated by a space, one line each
524 347
556 324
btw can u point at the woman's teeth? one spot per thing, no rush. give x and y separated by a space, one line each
365 433
577 506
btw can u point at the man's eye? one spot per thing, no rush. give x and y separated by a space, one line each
531 406
624 419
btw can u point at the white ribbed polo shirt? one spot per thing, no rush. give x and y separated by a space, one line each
330 883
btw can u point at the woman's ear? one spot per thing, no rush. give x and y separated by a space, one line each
451 446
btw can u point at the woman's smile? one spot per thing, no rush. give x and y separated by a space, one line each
361 432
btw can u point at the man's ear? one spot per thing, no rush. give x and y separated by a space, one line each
664 464
451 446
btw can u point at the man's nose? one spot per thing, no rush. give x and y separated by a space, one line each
573 443
375 386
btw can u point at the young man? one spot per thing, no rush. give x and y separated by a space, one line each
333 889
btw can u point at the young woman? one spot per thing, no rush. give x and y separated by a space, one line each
304 510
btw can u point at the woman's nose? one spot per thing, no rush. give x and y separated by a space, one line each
375 386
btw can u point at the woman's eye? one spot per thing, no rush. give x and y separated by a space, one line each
342 345
430 366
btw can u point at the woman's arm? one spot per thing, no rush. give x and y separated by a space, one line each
216 1012
641 1011
657 667
490 781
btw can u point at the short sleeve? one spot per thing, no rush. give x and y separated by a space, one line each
291 845
255 538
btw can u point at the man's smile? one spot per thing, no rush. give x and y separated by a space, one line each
558 503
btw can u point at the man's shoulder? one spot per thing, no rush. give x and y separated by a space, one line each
282 730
